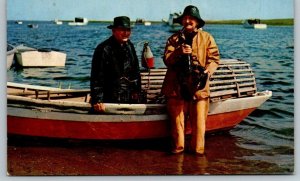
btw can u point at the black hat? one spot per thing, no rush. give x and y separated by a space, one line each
121 22
191 11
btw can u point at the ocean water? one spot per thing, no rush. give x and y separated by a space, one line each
262 144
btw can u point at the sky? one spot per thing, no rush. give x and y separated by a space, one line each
153 10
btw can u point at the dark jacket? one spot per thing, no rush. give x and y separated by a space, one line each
112 65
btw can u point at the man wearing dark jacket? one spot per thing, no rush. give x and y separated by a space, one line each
115 75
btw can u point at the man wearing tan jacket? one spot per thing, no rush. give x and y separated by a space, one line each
191 56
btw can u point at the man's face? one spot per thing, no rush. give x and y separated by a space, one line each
189 23
121 34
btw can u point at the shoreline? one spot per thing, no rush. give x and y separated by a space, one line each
278 22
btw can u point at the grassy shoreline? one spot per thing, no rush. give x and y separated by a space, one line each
284 22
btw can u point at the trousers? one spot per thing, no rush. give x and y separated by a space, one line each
196 112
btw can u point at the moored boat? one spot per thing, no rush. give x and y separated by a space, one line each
10 53
31 57
58 22
147 23
32 25
79 21
173 25
254 23
140 21
64 113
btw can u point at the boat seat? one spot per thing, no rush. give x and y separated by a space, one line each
45 92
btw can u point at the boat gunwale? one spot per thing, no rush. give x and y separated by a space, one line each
114 109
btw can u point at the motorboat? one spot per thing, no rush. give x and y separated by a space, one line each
140 21
32 57
173 25
58 22
79 21
43 111
254 23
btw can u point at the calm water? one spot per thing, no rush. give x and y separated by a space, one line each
262 144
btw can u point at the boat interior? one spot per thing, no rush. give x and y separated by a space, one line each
232 79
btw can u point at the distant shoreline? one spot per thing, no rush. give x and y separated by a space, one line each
283 22
278 22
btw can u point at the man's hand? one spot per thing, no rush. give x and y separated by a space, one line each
134 96
99 107
186 49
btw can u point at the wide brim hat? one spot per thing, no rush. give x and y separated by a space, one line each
120 22
191 11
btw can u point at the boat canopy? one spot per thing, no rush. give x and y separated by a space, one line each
80 20
253 21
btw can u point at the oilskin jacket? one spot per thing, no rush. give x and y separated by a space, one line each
112 64
204 50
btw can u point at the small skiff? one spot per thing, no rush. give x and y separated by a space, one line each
64 113
31 57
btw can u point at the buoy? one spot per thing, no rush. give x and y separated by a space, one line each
147 57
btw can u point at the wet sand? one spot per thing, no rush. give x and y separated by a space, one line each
31 156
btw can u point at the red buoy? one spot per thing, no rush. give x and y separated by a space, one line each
147 57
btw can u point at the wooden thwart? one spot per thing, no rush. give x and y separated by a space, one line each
48 92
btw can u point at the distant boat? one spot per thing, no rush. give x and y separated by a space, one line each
18 22
173 25
31 57
140 21
32 25
164 21
10 52
147 23
79 22
254 23
58 22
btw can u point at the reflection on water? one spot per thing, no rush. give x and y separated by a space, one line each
262 144
135 157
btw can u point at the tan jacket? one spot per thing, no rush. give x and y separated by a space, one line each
207 53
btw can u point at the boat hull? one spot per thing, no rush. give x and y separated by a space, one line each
139 127
77 24
11 50
44 122
58 22
255 26
41 59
